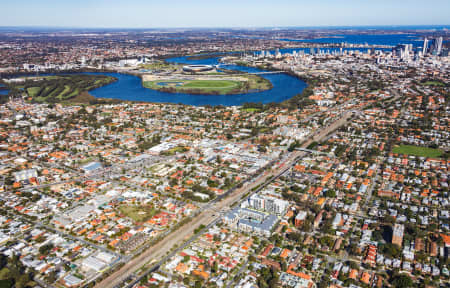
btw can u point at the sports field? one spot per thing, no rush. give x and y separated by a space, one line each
204 86
207 84
434 83
418 151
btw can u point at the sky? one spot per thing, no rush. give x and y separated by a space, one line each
223 13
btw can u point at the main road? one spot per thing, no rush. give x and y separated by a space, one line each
210 214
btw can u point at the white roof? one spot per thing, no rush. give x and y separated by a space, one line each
93 263
105 257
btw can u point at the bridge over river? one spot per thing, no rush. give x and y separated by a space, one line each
266 72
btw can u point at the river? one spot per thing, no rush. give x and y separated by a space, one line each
129 87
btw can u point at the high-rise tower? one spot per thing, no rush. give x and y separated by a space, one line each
425 46
438 45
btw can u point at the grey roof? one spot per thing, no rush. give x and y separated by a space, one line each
266 225
92 166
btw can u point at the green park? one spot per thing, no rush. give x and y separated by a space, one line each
418 151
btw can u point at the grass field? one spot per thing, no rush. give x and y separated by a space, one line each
251 109
418 151
175 150
434 83
219 86
138 213
258 83
32 91
158 66
202 86
213 86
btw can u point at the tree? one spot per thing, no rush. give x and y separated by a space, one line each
391 250
6 283
45 249
173 181
293 145
353 265
324 282
262 148
284 266
3 261
212 183
273 283
389 219
402 281
215 267
51 278
307 225
294 236
330 193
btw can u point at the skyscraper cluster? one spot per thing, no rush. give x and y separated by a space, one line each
434 47
429 47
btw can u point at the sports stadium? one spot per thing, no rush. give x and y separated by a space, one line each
197 68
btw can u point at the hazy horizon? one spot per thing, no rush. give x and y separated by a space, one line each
178 14
387 27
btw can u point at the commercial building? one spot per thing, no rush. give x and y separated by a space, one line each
72 281
25 175
438 47
91 167
267 204
425 46
251 221
397 234
93 263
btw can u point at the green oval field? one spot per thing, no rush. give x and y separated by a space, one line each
418 151
204 86
209 86
216 84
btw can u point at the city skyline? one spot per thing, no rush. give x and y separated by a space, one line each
213 14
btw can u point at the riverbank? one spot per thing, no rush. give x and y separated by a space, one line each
129 88
296 101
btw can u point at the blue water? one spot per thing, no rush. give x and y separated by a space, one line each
379 27
371 39
129 87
